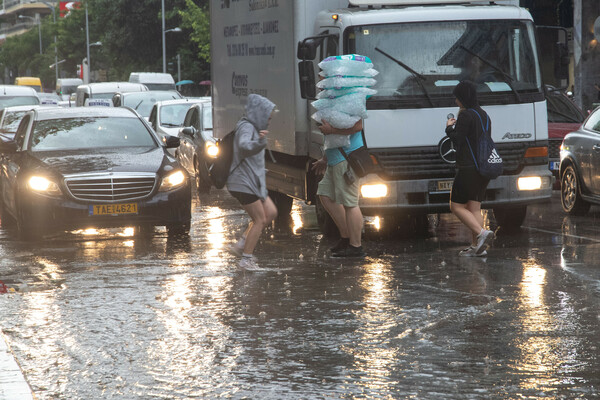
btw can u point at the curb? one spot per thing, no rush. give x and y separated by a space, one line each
12 382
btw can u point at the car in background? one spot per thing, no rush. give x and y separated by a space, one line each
154 80
50 99
91 167
198 148
580 167
65 87
29 81
10 117
166 117
11 95
104 91
142 102
564 116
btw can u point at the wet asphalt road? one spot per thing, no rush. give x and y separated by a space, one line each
110 316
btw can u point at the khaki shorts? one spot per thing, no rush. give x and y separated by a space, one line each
335 187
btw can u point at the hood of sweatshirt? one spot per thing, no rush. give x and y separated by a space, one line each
258 111
466 92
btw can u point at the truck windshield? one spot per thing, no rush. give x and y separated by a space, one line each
500 55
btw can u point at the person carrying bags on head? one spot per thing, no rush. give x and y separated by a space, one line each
247 176
468 189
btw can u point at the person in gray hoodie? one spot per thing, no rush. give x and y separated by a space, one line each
247 176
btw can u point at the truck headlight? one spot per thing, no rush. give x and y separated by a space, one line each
374 191
172 181
529 183
212 150
43 185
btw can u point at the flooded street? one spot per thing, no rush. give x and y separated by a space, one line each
115 316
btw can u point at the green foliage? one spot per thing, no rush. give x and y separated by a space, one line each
131 37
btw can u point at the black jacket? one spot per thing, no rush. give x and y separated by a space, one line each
468 126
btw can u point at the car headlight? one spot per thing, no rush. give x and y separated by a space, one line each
374 191
212 150
43 185
172 181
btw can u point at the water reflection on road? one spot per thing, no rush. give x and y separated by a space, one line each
112 315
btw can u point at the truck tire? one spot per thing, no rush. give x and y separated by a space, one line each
510 218
326 224
570 193
283 202
203 183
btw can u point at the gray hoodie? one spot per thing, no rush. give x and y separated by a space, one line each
247 173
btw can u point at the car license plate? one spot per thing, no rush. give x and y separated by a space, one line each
554 165
443 186
114 209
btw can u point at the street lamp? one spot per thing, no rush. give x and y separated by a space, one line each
164 47
54 21
87 43
39 27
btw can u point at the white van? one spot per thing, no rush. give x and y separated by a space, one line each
65 87
105 90
154 80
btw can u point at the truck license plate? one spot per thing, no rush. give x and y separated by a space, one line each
444 186
113 209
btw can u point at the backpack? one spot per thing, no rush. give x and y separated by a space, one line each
219 171
487 160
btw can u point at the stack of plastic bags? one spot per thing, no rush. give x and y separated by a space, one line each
345 89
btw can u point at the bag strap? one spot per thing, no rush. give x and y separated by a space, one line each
487 121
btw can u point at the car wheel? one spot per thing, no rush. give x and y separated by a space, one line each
203 183
570 193
326 224
25 229
180 229
510 218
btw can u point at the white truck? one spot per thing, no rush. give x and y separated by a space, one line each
421 49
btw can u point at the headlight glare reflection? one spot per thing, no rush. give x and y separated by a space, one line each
172 181
44 185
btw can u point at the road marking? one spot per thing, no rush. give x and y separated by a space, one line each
12 382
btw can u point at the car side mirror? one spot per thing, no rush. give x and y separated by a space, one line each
8 146
189 131
172 142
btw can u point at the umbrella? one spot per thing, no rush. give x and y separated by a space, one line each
204 83
186 82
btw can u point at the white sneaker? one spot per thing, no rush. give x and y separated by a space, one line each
484 239
470 252
235 250
249 264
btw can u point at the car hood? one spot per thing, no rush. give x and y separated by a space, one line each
105 160
558 130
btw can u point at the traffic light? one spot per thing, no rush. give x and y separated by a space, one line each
79 71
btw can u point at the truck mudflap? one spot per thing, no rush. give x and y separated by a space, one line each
433 195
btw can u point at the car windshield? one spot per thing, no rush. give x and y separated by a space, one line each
11 121
430 58
172 115
142 102
7 101
89 133
560 109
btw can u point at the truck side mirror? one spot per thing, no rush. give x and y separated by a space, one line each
307 49
561 61
306 72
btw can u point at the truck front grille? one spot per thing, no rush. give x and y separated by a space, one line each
426 163
111 188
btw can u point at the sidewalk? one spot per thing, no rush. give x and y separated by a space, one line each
13 385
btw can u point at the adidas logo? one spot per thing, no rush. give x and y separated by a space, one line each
494 158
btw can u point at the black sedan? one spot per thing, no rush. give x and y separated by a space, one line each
88 167
580 167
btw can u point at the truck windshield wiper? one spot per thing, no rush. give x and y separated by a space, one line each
420 78
505 77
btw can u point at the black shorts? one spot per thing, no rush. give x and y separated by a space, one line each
244 198
468 186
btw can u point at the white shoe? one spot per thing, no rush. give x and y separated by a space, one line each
235 250
470 252
249 264
484 239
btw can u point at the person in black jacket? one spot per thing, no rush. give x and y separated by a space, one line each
468 189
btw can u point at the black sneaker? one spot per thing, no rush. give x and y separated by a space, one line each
350 251
340 245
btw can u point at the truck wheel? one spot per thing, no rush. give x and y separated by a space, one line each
510 218
283 202
570 193
326 224
203 183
